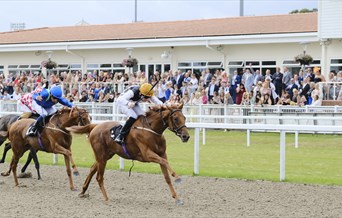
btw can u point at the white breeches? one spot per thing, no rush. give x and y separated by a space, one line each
43 111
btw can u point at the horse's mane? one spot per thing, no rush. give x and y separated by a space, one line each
157 108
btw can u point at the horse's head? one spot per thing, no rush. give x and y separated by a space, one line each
73 116
82 115
176 121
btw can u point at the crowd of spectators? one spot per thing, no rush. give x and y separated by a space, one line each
247 87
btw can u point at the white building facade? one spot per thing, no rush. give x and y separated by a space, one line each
183 48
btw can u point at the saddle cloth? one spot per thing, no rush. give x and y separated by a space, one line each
115 131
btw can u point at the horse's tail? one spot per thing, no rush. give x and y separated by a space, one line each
81 129
4 134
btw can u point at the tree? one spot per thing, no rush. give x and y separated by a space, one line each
304 10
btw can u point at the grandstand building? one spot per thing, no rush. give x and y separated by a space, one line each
229 43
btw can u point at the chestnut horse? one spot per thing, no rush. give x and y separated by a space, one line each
53 139
145 142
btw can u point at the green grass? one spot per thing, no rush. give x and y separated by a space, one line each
318 159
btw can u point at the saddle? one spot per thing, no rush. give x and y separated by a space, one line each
26 115
40 125
115 131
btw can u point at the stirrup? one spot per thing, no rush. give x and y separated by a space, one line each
31 132
119 139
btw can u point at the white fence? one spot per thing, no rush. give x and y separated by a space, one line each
281 119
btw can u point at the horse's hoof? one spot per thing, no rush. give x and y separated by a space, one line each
179 202
2 161
83 195
76 173
25 175
178 181
5 174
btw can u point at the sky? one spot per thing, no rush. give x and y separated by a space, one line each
53 13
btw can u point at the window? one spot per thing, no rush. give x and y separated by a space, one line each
24 66
105 66
336 65
76 66
235 66
184 64
34 67
12 66
268 65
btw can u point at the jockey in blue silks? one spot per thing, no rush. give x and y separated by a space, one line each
43 103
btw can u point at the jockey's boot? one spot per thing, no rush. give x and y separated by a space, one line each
125 130
32 130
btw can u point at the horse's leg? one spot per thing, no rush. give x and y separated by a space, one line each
169 183
6 149
93 170
33 155
153 157
101 166
73 165
14 164
165 167
28 161
67 153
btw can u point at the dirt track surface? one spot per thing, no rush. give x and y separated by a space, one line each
146 195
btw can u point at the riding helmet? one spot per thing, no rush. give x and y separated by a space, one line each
146 90
56 92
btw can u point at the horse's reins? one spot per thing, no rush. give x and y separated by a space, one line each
80 120
174 128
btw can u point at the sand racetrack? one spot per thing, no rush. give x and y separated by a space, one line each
147 195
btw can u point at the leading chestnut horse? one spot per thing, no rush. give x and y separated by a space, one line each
145 142
53 139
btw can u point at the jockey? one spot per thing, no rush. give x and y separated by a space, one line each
128 104
43 103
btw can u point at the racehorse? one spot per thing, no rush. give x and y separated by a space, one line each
5 123
145 142
54 138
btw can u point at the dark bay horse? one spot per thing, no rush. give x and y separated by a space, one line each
5 123
53 139
145 142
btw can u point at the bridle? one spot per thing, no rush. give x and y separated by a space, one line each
80 119
174 129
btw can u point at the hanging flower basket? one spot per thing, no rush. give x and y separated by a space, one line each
304 59
49 64
130 62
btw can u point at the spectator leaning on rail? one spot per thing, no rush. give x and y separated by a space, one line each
128 103
43 103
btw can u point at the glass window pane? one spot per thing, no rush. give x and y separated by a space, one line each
167 67
264 63
254 63
75 66
316 62
12 66
184 64
105 65
199 64
34 66
336 61
24 66
1 67
91 66
215 63
289 62
235 63
117 65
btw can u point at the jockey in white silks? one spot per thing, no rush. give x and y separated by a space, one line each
128 103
